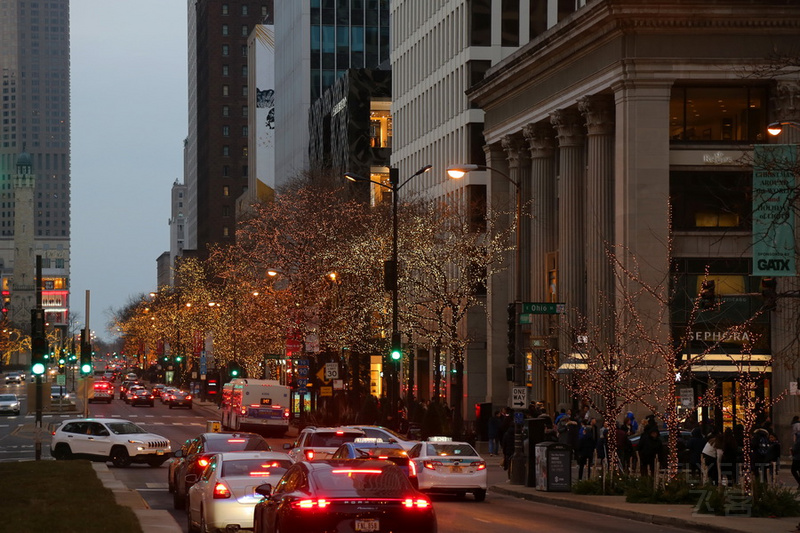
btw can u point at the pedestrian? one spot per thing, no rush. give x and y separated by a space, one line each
774 456
729 465
495 423
508 449
760 453
585 450
795 426
650 449
695 447
624 446
712 455
634 425
796 460
602 444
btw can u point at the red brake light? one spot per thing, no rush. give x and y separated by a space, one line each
188 397
431 465
419 503
203 461
285 413
412 466
236 440
309 455
311 504
480 465
340 432
221 491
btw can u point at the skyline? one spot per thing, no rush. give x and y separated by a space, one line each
128 123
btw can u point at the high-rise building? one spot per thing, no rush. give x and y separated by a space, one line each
316 42
34 66
217 142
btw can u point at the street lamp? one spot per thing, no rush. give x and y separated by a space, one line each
390 268
776 128
518 459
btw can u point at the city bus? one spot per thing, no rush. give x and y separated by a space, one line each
260 405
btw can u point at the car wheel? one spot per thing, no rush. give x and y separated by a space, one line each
480 495
62 452
119 457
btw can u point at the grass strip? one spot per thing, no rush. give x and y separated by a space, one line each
63 496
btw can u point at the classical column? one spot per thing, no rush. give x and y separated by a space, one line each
598 111
569 128
544 227
520 172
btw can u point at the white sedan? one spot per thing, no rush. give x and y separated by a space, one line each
441 465
386 435
224 496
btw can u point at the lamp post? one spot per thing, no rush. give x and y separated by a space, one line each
517 475
390 270
776 128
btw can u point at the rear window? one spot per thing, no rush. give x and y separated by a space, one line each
448 450
380 452
255 467
238 444
329 439
365 482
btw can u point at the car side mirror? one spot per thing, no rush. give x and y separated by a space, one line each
286 446
178 453
265 490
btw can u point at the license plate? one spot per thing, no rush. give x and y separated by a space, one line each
159 452
368 525
455 469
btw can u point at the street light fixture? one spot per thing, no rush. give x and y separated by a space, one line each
776 128
394 186
518 459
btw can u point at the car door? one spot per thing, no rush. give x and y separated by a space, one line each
280 497
98 439
202 488
75 435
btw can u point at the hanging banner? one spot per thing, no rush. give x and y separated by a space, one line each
773 217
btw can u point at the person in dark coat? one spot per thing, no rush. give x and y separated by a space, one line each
650 449
796 459
695 447
585 450
730 453
495 423
507 443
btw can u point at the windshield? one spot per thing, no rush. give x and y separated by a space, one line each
255 467
125 428
7 397
365 482
449 450
324 439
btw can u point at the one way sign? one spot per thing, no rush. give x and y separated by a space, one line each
519 397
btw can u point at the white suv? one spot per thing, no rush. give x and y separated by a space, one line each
109 439
320 443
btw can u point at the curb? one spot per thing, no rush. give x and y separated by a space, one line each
151 520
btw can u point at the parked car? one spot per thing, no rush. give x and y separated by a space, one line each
222 498
195 456
10 403
339 495
109 439
180 398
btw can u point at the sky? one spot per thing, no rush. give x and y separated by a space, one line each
129 121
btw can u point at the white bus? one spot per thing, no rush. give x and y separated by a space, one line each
255 404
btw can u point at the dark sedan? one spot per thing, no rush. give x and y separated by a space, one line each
141 397
343 495
180 399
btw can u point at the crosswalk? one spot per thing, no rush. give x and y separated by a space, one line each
176 420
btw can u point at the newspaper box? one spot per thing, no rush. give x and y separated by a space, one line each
553 467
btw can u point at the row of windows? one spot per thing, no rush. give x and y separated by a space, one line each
226 50
225 31
226 111
226 171
39 233
226 71
226 131
226 151
226 90
244 10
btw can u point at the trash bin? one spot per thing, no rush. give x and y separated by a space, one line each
553 467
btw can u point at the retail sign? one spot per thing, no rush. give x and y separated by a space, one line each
687 398
773 214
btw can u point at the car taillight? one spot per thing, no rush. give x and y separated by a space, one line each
310 504
419 503
309 455
203 461
221 491
188 397
431 465
285 413
480 465
412 466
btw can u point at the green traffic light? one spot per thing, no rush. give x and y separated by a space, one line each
396 354
86 368
37 369
234 373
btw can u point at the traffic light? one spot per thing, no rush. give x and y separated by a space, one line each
397 349
707 294
38 343
769 290
235 370
86 354
512 333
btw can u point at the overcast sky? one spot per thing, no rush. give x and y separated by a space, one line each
128 74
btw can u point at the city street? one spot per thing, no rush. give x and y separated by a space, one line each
499 512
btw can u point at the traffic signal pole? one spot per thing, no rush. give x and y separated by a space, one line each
37 357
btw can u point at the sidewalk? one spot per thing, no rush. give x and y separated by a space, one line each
662 514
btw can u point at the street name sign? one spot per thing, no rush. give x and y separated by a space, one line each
542 308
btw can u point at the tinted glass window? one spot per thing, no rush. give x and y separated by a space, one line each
332 440
78 428
237 444
363 481
125 428
255 467
448 450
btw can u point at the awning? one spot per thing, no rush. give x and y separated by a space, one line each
734 363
